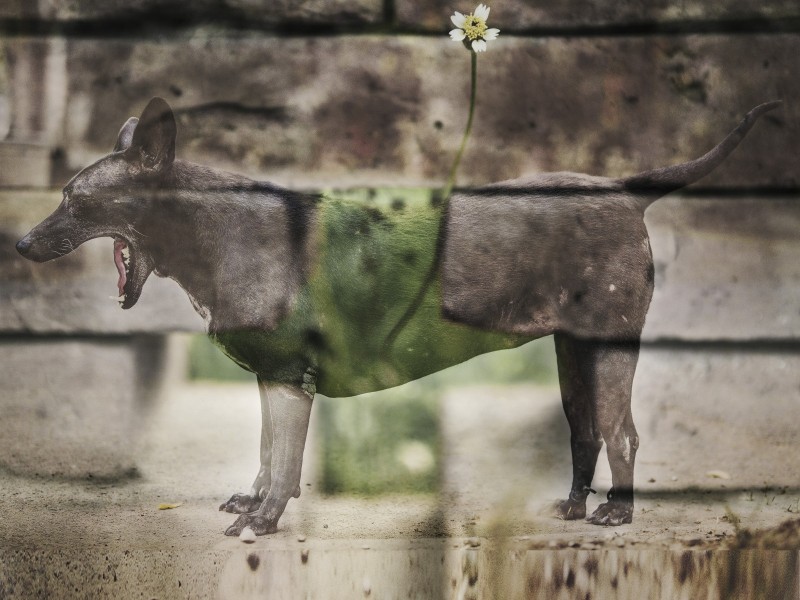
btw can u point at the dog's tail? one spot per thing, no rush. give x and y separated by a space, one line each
652 185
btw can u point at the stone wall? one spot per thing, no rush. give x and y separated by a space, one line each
373 93
310 110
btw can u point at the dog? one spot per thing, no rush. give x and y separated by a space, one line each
304 290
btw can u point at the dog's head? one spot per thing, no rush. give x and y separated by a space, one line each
106 200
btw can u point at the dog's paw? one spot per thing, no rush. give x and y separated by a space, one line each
240 504
260 525
612 513
569 510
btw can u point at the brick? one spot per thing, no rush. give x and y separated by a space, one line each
726 269
72 407
521 15
718 408
337 12
313 111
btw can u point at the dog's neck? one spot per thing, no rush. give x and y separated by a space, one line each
238 247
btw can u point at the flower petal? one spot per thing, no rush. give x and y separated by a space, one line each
457 35
482 11
479 46
491 34
458 19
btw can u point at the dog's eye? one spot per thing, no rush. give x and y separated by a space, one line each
72 203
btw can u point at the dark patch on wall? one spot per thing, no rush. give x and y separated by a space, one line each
570 580
253 561
360 125
686 566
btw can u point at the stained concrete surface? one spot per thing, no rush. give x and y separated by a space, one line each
505 458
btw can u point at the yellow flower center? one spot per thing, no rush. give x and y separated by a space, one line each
474 27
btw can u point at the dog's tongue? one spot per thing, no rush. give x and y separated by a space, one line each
119 245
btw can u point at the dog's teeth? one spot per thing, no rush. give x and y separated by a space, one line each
126 253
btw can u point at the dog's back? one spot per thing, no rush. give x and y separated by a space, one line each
554 252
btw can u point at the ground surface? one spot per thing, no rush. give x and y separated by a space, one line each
505 458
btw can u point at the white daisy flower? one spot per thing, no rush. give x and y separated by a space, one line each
472 29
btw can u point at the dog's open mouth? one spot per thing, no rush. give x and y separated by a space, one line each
134 267
124 260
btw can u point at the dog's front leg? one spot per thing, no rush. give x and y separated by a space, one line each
289 408
245 503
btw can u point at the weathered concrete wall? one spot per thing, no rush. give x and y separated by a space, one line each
726 269
311 111
372 92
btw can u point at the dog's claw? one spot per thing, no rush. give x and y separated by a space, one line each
612 514
240 504
569 510
260 525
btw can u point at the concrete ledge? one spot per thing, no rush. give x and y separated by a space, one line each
73 407
697 411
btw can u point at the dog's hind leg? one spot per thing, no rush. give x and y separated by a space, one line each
575 358
245 503
289 411
613 369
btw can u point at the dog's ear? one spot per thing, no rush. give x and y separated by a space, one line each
153 142
125 136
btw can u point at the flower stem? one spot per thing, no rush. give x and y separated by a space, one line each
430 276
451 180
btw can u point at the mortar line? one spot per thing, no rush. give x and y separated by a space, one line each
155 26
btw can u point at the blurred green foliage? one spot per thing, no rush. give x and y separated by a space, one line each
379 443
206 361
534 362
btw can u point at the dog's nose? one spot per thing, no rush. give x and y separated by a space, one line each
23 246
